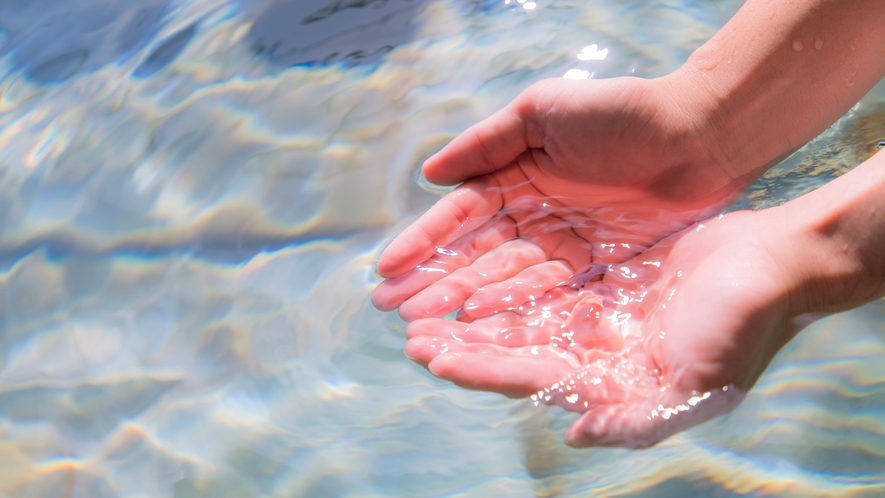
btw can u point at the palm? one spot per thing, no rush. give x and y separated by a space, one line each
642 354
585 173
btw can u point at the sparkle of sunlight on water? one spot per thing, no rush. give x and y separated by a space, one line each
192 197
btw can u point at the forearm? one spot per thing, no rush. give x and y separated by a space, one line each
832 241
778 74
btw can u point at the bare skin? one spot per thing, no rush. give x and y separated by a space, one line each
560 176
655 332
575 182
636 159
702 310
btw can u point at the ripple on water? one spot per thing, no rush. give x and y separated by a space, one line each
186 237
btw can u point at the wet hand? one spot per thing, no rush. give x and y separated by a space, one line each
665 341
586 173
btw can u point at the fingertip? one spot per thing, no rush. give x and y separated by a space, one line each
584 432
471 310
430 159
384 270
382 305
442 365
391 263
487 146
419 328
405 251
464 316
615 426
474 306
575 438
446 167
410 312
426 304
381 298
433 170
421 350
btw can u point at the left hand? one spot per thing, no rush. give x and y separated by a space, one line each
665 341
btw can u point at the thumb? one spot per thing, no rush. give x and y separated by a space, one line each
485 147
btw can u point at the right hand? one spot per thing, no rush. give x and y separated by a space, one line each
584 172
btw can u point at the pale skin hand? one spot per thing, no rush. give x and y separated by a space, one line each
707 308
702 310
634 160
547 177
744 99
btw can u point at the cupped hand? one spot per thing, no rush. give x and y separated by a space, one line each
666 340
583 173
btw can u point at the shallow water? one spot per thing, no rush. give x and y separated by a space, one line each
193 195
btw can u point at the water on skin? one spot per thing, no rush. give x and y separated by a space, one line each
596 340
538 310
186 264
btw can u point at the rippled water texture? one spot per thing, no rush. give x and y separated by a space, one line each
192 197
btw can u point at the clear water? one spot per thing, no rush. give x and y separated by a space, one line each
192 196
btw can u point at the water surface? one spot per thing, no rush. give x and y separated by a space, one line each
193 194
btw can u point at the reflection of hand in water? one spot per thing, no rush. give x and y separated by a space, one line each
642 354
623 156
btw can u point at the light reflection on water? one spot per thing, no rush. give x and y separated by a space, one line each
186 258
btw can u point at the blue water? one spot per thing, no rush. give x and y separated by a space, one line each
192 197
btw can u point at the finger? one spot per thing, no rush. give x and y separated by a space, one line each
449 293
512 372
424 347
509 294
608 425
503 329
462 316
590 330
391 293
459 212
556 236
648 420
549 374
555 303
624 426
485 147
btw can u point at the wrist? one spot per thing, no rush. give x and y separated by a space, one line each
830 243
771 80
728 128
